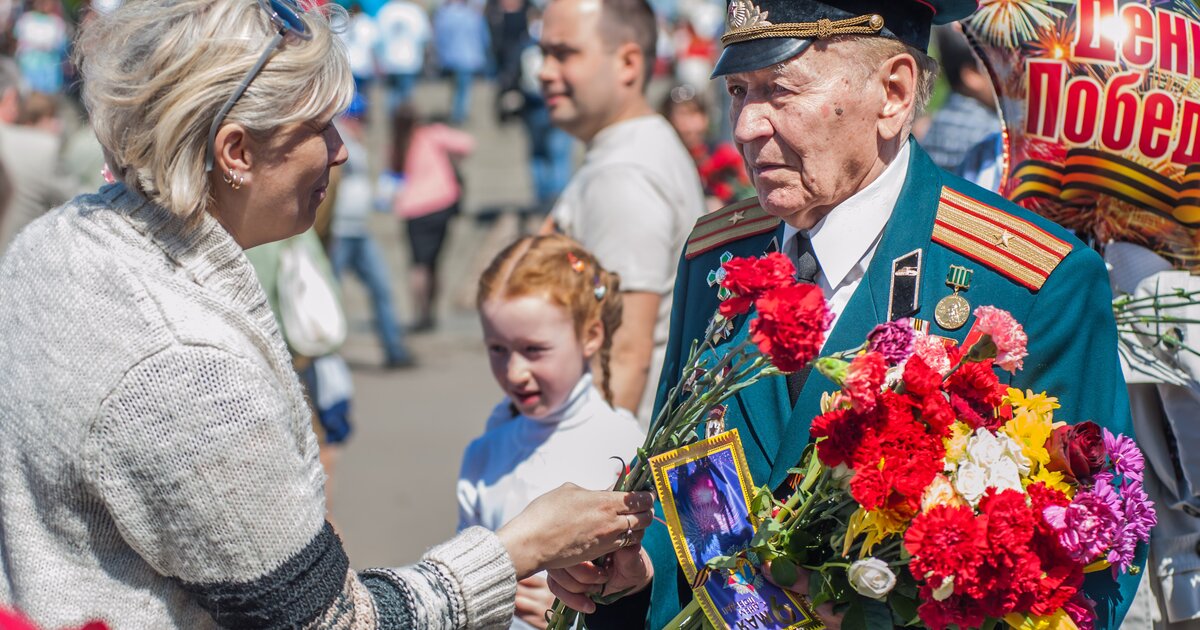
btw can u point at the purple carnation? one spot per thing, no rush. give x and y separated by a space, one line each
1138 511
1086 526
1125 455
894 340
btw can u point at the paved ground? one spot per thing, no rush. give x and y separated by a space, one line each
393 484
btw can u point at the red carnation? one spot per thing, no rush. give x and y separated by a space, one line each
975 392
845 433
749 277
1010 521
864 378
945 542
919 378
893 471
937 413
791 325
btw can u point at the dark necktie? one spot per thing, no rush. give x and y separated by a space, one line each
806 272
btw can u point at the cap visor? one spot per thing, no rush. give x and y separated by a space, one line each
757 54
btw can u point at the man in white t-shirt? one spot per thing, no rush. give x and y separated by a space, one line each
403 33
637 194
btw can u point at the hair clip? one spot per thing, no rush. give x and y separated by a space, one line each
600 290
576 264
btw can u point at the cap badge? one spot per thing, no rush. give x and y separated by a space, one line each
745 14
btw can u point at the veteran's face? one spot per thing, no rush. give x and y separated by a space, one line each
808 130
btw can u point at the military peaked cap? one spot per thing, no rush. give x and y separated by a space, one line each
760 33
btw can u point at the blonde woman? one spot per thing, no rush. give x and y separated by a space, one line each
157 467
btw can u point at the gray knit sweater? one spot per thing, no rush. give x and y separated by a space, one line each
157 465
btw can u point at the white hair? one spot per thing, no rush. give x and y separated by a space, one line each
874 51
155 72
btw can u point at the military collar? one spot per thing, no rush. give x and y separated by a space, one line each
850 231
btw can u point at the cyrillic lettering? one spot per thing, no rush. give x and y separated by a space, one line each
1158 116
1120 111
1082 118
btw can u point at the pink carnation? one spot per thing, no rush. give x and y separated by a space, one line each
932 351
1086 527
1006 333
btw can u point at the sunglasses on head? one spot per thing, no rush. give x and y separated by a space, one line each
285 16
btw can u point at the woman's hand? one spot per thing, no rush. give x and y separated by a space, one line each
824 612
570 525
533 600
630 571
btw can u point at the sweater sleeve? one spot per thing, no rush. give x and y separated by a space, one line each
208 467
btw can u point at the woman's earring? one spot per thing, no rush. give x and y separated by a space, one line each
234 179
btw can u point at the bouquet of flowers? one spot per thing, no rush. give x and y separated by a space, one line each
931 495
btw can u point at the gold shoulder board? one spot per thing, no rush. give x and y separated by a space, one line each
733 222
1012 246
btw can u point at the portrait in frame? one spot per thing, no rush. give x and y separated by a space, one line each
705 489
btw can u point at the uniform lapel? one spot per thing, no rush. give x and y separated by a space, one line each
910 227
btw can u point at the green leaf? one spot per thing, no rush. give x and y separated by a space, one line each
856 616
765 532
904 609
722 562
762 501
784 572
989 624
878 615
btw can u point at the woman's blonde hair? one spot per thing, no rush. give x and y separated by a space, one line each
562 271
155 72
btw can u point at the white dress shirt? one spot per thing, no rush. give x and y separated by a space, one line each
844 241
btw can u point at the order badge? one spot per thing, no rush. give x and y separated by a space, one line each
705 492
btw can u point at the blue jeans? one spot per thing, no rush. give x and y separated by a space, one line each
462 96
362 255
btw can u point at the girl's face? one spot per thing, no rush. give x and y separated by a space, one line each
535 355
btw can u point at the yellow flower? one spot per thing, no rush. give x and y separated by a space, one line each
1031 431
1058 621
1053 480
1039 404
956 444
876 524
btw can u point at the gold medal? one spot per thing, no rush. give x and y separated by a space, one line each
954 310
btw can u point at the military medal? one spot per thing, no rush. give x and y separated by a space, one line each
717 275
954 310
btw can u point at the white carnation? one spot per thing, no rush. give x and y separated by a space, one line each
872 578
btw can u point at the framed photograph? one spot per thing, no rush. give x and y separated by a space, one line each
705 492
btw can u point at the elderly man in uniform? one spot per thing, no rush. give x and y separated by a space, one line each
824 94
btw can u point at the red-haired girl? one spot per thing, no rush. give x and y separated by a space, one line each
549 312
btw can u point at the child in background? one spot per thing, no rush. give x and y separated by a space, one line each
424 156
548 309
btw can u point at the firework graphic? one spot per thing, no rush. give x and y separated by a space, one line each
1011 22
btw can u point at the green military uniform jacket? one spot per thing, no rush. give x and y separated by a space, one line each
1053 284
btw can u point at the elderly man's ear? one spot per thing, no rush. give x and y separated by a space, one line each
898 77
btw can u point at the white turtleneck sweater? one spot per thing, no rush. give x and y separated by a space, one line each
519 458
